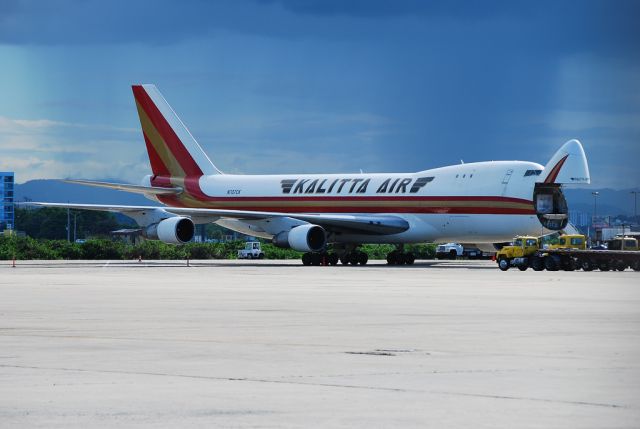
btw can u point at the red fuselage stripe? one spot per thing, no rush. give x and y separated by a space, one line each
485 206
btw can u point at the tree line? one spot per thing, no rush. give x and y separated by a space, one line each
27 248
46 239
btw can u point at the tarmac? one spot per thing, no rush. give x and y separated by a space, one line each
275 344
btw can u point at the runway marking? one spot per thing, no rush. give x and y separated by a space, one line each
346 386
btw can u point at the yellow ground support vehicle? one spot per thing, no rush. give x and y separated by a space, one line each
528 252
569 252
569 241
518 254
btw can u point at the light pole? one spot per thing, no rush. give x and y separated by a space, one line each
635 206
68 225
75 215
595 213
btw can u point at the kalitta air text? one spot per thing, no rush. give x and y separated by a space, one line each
396 185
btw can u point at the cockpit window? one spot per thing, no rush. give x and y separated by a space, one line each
532 173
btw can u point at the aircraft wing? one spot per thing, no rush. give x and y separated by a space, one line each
372 224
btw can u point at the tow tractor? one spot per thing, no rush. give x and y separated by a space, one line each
252 250
569 253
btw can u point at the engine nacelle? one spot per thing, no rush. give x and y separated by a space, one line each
175 230
303 238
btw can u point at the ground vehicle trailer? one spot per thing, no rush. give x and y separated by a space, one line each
568 254
252 250
449 251
622 252
475 253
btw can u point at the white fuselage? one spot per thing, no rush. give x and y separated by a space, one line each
481 202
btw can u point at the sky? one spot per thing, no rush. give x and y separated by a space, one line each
283 86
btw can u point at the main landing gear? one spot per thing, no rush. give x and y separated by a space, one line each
346 255
331 258
352 256
324 258
400 257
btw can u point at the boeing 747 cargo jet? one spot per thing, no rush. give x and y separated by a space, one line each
328 216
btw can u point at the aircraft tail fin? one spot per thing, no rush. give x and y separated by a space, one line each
172 149
567 166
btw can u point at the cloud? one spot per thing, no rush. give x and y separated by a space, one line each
594 25
44 148
17 125
273 86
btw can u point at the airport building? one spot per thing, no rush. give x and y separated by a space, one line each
7 214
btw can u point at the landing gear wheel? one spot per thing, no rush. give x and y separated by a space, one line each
392 258
333 259
604 266
409 258
523 267
503 264
316 259
621 266
306 259
363 258
452 254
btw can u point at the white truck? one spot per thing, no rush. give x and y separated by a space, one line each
449 251
252 250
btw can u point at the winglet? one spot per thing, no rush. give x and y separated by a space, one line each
567 166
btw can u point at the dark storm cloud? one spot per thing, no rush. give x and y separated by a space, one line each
384 9
484 79
556 26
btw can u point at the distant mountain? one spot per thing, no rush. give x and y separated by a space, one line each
610 201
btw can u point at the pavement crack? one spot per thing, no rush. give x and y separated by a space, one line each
207 377
524 398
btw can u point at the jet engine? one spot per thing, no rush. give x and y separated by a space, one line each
303 238
175 230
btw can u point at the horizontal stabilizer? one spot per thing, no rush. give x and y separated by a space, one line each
136 189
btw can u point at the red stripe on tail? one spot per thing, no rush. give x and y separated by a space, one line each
553 174
157 166
170 138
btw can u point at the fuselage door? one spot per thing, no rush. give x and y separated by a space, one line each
505 181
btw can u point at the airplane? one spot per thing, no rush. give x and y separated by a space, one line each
329 216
